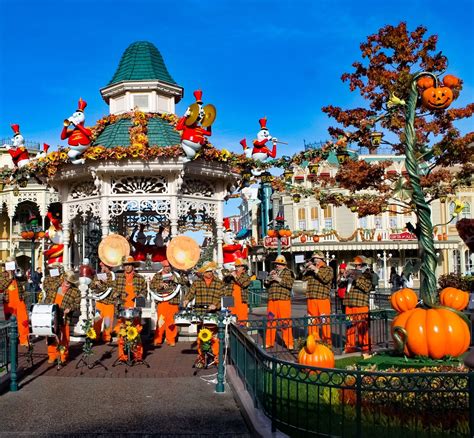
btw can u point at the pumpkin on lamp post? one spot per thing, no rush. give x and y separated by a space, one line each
296 198
313 168
342 155
288 174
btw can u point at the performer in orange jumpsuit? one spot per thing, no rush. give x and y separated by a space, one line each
128 286
165 282
240 284
14 302
68 297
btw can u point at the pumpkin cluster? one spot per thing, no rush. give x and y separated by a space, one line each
435 97
434 333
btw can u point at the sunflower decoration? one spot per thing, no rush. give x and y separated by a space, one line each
132 333
205 336
91 334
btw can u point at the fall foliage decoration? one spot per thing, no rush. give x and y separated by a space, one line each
316 355
434 333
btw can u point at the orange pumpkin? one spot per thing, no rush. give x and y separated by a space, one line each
303 238
24 234
451 81
403 300
426 82
316 355
437 97
455 298
272 233
435 333
315 238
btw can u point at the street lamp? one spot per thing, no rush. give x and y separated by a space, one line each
279 227
32 231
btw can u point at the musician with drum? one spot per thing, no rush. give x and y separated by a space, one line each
102 286
165 283
319 278
68 299
14 299
208 292
357 302
128 286
240 281
279 284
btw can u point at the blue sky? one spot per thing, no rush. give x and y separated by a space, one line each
280 59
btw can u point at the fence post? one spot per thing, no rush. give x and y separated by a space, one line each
471 403
358 405
274 397
13 341
220 367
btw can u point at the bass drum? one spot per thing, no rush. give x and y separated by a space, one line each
45 320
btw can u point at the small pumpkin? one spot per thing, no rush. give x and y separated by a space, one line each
403 300
24 234
316 355
315 238
303 238
454 298
451 81
434 333
426 82
437 97
272 233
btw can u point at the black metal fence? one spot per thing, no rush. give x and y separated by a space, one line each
308 401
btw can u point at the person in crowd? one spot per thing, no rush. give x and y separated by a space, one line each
319 277
394 279
13 292
279 285
357 305
240 290
103 286
165 282
375 279
207 292
68 298
341 287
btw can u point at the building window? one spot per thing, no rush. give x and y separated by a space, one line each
364 222
301 218
314 218
328 222
393 217
141 101
469 262
378 222
457 261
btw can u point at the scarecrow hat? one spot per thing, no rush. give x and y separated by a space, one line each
207 266
129 260
71 277
318 255
280 260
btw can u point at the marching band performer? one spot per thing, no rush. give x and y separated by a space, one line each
319 277
105 306
14 302
166 281
207 291
128 286
357 301
68 298
240 290
279 283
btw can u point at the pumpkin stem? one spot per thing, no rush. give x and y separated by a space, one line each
400 336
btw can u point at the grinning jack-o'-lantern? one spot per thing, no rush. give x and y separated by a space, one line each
437 97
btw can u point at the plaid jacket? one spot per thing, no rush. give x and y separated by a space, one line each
5 281
282 290
359 293
71 300
319 283
98 287
207 295
139 286
244 282
52 283
157 285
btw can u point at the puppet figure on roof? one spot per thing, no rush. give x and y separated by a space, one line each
18 151
231 248
195 125
260 151
78 138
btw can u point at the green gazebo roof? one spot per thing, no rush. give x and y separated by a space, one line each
142 61
160 133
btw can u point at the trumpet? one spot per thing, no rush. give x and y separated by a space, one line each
306 267
227 276
66 122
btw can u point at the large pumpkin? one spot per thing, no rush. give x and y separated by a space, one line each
434 333
437 97
455 298
403 300
316 355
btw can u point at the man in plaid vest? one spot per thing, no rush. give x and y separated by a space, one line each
357 304
319 277
240 282
279 284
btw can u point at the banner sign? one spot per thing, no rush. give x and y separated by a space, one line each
402 236
272 242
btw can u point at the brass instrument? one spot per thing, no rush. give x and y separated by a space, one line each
66 122
227 276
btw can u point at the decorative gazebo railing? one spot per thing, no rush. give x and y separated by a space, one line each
307 401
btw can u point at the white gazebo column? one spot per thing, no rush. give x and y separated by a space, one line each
10 220
66 251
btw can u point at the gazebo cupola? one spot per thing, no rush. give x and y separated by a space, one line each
142 81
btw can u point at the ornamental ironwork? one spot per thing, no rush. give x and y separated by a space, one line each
161 207
196 215
197 187
139 184
84 189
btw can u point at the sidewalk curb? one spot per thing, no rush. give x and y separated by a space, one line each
258 423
